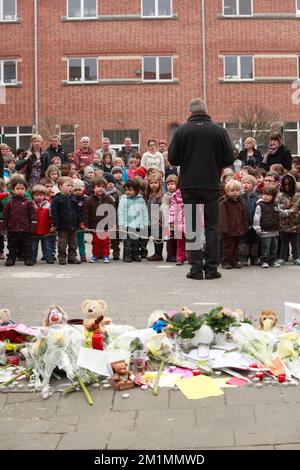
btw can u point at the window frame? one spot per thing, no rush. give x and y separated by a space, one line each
2 15
237 2
156 15
17 135
297 7
82 79
128 132
81 17
238 77
157 79
2 82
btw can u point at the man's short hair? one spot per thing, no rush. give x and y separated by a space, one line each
85 138
273 174
198 105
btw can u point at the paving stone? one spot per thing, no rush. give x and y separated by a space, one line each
179 401
147 439
114 420
206 436
30 409
3 399
270 415
24 397
141 400
84 441
291 394
29 441
23 426
262 435
245 396
226 417
71 403
165 418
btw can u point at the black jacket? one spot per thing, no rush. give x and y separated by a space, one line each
283 156
57 153
201 149
1 165
65 212
253 162
29 163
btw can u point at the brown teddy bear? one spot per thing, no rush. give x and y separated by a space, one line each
94 316
267 320
121 380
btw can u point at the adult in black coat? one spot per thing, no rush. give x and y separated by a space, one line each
250 155
36 162
55 150
201 149
278 153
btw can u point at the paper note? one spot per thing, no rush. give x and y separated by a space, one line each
98 361
199 387
167 379
236 381
278 367
291 313
222 382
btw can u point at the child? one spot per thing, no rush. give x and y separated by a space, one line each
117 173
89 175
112 191
65 169
232 224
43 225
19 219
3 195
120 163
106 163
249 242
133 217
49 194
172 186
143 240
78 190
96 162
56 161
53 174
176 219
289 226
154 197
10 165
100 240
66 219
131 172
266 225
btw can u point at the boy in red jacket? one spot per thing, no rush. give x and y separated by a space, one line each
43 225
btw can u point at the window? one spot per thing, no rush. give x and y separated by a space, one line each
298 7
8 71
8 10
17 137
67 137
237 8
82 8
156 8
117 136
291 137
157 68
238 67
83 70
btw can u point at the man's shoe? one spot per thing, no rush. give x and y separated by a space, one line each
9 262
197 276
29 262
213 275
136 259
116 257
276 265
127 259
74 261
83 259
254 262
155 258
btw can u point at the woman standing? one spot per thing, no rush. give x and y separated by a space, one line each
153 158
35 163
250 155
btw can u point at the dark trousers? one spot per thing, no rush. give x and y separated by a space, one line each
231 250
17 240
171 247
210 199
1 243
131 246
143 246
286 239
268 246
67 239
46 247
53 242
249 245
115 246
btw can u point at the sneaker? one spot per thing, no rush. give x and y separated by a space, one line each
2 256
277 265
280 261
106 259
83 259
265 265
297 262
93 259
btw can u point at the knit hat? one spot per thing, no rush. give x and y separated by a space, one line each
117 169
88 169
108 177
78 184
141 171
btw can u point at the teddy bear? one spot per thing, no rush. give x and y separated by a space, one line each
121 378
267 320
5 317
94 316
55 316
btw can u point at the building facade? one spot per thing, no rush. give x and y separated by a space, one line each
115 68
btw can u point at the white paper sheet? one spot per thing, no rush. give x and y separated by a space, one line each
99 361
291 313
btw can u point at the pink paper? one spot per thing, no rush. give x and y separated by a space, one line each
185 373
236 381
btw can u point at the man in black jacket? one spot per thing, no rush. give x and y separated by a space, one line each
201 149
55 150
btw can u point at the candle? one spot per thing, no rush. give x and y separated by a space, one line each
97 341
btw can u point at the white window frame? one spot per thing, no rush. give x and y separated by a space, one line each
297 8
238 76
2 62
81 12
16 135
237 9
297 130
82 80
157 79
1 12
156 15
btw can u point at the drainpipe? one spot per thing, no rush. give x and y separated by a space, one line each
203 52
36 81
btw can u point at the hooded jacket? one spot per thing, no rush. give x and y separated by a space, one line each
133 212
233 218
65 212
289 200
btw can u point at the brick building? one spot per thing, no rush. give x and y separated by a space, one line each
112 68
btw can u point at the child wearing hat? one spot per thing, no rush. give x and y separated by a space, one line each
89 175
117 173
115 194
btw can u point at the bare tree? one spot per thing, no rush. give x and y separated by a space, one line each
49 127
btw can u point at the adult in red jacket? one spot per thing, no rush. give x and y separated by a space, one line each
85 153
201 149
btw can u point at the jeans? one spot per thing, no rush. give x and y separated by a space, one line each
46 247
287 239
269 247
210 199
53 242
80 243
17 241
131 246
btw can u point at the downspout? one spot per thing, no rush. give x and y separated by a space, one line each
36 81
203 52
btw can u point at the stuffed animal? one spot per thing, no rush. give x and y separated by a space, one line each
121 379
55 316
5 317
268 319
94 316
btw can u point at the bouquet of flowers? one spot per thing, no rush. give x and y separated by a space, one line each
183 324
221 319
